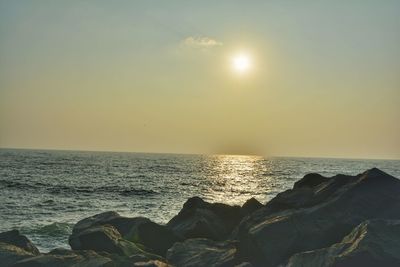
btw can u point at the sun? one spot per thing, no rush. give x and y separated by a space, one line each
241 63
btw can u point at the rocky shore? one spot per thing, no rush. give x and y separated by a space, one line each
337 221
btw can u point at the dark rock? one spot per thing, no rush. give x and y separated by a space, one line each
309 218
310 180
304 195
157 238
68 258
106 238
250 206
202 219
152 264
200 252
244 264
292 199
372 243
138 258
13 237
86 258
154 236
15 247
96 220
98 238
10 254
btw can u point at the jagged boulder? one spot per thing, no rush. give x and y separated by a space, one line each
250 206
15 247
324 214
10 254
372 243
199 252
106 238
99 238
310 180
156 238
206 220
68 258
14 237
103 218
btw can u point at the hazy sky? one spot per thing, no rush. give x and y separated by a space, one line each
156 76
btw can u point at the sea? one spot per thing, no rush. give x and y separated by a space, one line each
43 193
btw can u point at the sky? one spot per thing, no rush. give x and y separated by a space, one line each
157 76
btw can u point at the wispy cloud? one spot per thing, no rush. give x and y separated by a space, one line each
201 42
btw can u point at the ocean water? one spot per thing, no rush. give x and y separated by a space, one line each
43 193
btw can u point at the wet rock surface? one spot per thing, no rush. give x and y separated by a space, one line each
372 243
203 252
156 238
10 254
324 215
14 237
200 219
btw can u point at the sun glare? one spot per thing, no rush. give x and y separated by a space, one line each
241 63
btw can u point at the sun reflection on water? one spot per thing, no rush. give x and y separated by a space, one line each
232 178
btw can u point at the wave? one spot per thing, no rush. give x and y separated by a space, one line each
56 229
15 184
138 192
66 189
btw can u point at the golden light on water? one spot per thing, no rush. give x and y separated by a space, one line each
234 179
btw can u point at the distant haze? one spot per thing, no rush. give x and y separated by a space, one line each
156 76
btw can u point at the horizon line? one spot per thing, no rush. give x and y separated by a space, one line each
195 154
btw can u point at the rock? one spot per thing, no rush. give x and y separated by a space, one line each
15 247
250 206
310 180
292 199
10 254
372 243
106 238
86 258
99 238
13 237
307 192
207 220
321 216
67 258
200 252
152 264
138 258
97 220
153 236
244 264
